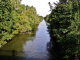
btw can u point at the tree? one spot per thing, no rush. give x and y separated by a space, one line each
51 7
64 26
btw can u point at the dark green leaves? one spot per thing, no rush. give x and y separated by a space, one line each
64 25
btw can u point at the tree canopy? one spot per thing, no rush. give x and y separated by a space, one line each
16 17
64 24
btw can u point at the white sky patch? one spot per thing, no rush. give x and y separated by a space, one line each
42 6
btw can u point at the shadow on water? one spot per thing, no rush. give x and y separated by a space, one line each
13 55
54 50
10 55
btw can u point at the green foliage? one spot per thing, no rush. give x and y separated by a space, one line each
46 18
65 26
15 18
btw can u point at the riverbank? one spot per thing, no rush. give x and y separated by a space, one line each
27 32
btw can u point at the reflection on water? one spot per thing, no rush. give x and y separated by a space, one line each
54 50
28 46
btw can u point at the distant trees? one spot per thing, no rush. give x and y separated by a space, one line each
15 18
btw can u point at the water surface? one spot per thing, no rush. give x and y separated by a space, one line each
28 46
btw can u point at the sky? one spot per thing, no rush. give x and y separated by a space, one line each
42 6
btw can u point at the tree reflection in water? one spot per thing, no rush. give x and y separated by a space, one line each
54 50
13 52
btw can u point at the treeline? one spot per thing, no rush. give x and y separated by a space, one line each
16 18
64 25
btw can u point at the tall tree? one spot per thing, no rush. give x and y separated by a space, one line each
51 7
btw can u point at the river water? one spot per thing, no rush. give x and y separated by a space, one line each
28 46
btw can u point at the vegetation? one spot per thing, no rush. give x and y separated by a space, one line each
64 24
15 18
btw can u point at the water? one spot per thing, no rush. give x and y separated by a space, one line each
28 46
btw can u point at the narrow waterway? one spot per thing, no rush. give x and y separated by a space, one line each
28 46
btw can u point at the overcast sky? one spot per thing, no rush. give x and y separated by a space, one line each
41 6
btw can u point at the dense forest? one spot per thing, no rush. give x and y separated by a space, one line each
64 27
16 18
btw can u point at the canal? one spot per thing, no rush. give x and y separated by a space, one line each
25 46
